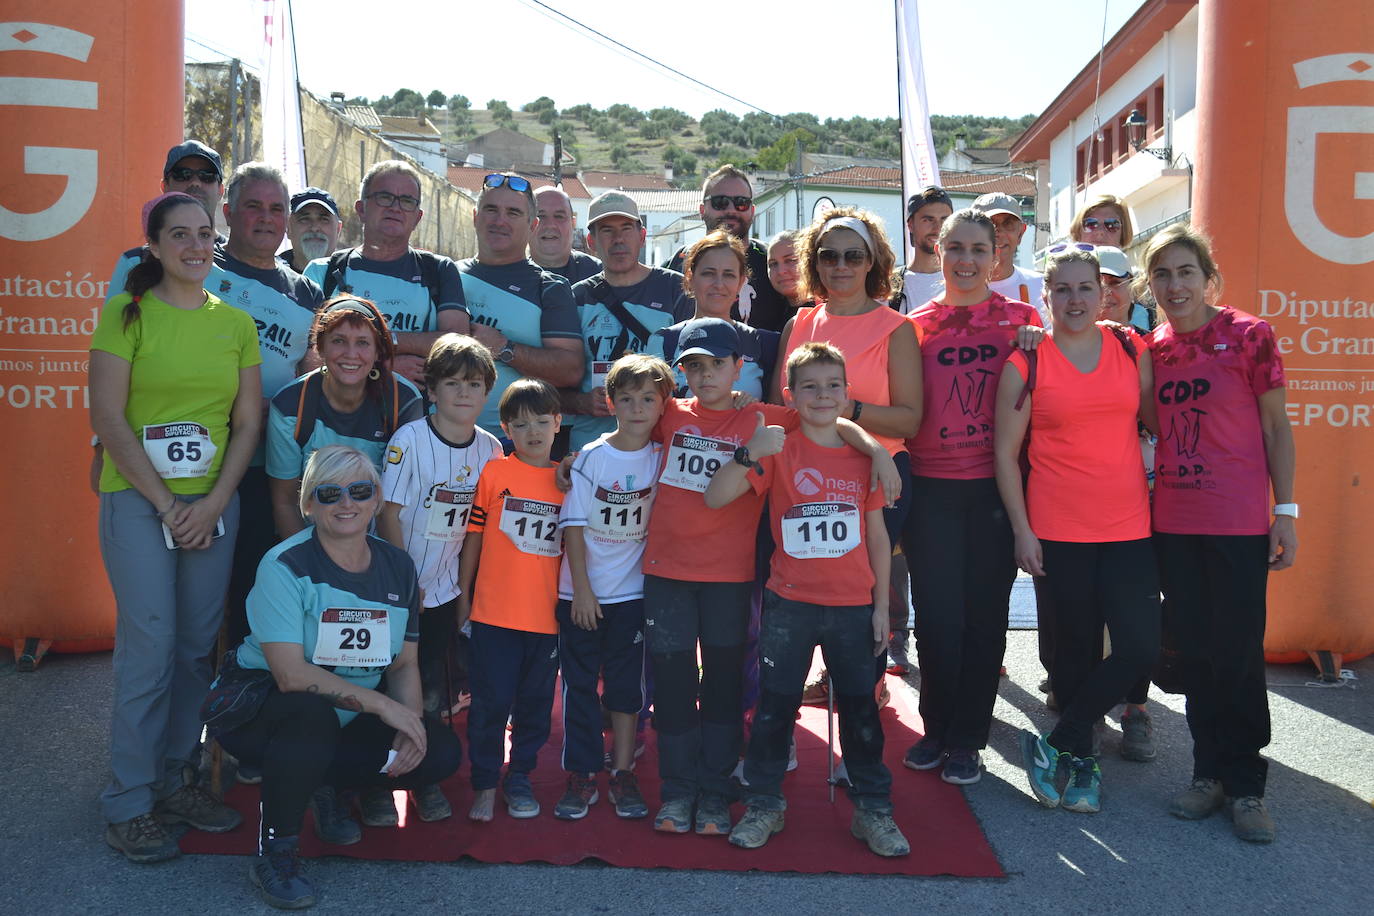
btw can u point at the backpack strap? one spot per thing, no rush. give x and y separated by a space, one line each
308 406
1126 343
334 273
614 304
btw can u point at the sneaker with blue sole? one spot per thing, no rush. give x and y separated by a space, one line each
1041 760
519 796
1084 791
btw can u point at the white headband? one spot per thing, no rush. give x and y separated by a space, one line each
849 222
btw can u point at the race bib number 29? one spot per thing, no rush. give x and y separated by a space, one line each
820 530
179 449
353 638
532 525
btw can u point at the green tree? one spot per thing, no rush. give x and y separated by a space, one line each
459 103
543 103
780 155
436 99
625 114
500 112
679 160
675 120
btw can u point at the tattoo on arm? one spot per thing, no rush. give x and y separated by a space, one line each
349 702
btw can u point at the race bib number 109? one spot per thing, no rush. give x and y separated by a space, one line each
694 460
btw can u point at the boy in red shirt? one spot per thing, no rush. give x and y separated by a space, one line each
512 550
828 586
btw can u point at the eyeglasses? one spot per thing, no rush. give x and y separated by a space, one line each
206 176
723 202
1110 223
360 491
853 257
1069 246
514 182
386 199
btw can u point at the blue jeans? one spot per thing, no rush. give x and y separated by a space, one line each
790 633
512 676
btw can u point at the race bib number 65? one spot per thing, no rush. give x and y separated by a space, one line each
820 530
179 449
532 525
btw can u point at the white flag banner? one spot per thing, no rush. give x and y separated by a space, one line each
919 166
258 33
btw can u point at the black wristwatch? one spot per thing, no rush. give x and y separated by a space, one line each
742 458
858 409
506 354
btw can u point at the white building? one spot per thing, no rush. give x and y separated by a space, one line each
1081 145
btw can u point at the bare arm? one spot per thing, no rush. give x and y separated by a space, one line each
467 573
586 609
286 513
884 468
880 558
902 417
1149 410
1282 459
779 380
559 361
1009 431
389 525
731 480
109 392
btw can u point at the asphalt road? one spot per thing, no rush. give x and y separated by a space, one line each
1130 858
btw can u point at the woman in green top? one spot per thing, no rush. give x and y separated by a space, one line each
175 399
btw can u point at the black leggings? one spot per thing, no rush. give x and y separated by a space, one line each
298 742
1115 583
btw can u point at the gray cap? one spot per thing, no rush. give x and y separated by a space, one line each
1112 261
193 148
707 337
612 203
997 202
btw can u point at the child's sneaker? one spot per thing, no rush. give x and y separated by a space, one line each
713 816
1084 791
674 816
962 768
756 827
1041 760
623 791
926 754
519 796
580 795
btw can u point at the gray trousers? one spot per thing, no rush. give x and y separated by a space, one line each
169 605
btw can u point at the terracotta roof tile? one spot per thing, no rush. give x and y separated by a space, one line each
470 179
626 181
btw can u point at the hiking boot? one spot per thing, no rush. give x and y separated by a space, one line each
1084 791
1250 820
1041 760
962 768
379 808
519 796
580 795
1199 800
898 661
142 839
623 791
278 876
1137 735
926 754
755 828
674 816
880 832
713 815
430 803
334 823
194 806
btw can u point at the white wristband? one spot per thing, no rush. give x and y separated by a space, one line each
1288 509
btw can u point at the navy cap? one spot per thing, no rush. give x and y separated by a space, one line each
707 337
314 196
193 148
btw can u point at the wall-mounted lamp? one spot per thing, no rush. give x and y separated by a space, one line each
1135 133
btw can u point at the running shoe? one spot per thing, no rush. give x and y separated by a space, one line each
926 754
880 832
1251 821
713 815
1041 760
1084 791
1199 800
623 791
674 816
1137 735
581 794
962 768
519 796
756 827
277 874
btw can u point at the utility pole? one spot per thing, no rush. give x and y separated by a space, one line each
557 158
797 176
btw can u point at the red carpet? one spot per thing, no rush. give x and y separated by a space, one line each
945 837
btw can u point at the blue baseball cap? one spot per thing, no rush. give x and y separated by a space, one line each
707 337
314 196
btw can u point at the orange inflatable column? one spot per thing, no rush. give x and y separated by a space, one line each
1285 187
91 97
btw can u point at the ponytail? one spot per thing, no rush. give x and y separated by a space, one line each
146 274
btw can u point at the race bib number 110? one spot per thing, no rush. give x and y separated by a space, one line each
820 530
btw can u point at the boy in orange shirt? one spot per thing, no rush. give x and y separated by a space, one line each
512 550
828 586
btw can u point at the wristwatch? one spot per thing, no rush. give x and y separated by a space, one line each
506 354
742 458
1288 509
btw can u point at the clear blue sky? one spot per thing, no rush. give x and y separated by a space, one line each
987 57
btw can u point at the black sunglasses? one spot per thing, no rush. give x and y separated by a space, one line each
360 491
386 199
1110 223
853 257
181 173
514 182
723 202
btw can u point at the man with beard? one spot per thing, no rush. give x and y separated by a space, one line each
551 244
619 309
727 200
418 291
524 315
313 228
1008 279
922 281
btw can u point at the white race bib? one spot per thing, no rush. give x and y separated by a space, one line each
179 449
447 517
600 369
532 526
620 515
694 460
353 638
820 530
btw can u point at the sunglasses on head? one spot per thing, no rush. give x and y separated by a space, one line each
386 199
853 257
1111 223
514 182
360 491
205 176
1069 246
723 202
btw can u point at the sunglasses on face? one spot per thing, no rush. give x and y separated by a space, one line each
205 176
514 182
360 491
853 257
386 199
1111 224
723 202
1071 246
